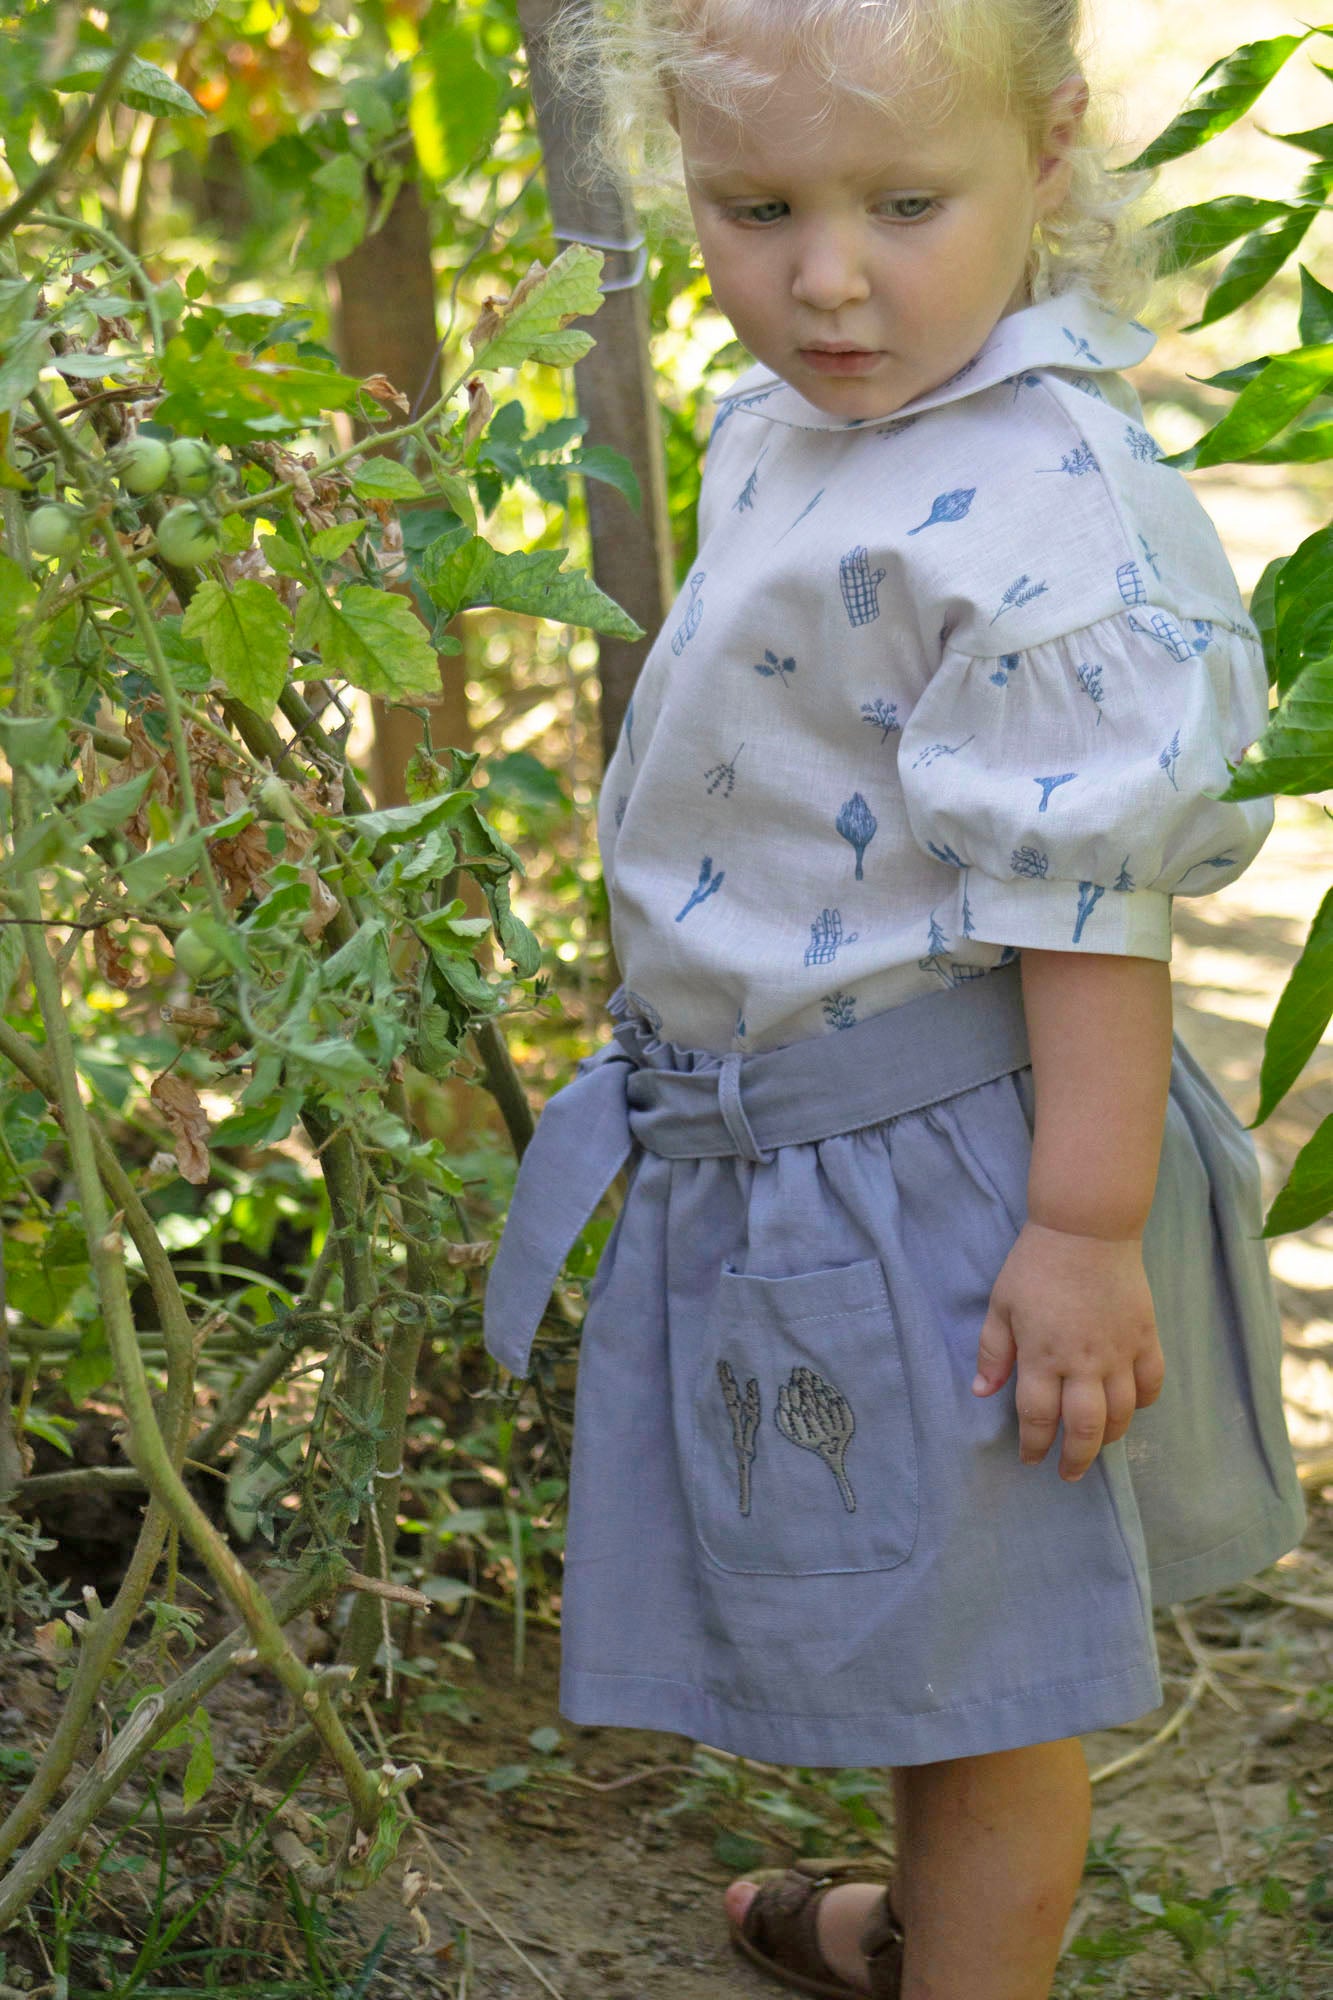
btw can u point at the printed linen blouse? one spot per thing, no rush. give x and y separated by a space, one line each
937 687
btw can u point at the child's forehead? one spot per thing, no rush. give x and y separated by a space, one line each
798 122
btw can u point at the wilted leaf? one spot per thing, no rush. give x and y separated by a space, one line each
186 1119
382 389
323 905
529 325
114 963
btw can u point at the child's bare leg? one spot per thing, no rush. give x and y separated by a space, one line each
990 1856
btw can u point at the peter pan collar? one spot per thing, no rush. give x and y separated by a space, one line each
1070 331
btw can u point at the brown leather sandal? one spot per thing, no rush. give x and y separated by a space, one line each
779 1934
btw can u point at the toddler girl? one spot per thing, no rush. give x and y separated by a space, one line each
930 739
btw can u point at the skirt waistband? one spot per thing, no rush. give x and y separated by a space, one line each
637 1091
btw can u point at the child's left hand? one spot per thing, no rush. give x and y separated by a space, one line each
1075 1314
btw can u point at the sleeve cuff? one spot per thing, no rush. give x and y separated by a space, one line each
1068 916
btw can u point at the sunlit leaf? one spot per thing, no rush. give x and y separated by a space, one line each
1221 96
1295 753
529 580
1303 608
336 205
1191 235
532 328
1258 260
1308 1194
1303 1011
372 638
1277 394
1316 321
142 84
246 637
455 103
383 478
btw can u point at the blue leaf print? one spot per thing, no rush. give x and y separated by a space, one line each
1076 462
744 500
1203 634
936 939
1089 679
732 404
723 775
1089 895
1022 382
1167 634
960 374
1169 758
771 666
827 938
948 507
1088 386
884 715
946 854
839 1009
969 928
1008 666
934 751
1130 581
1124 881
1021 591
739 1030
622 806
629 729
809 508
1145 448
1048 785
1149 557
1081 347
707 885
1030 861
1213 861
860 587
858 826
689 625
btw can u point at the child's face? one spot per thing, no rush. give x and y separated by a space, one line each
901 234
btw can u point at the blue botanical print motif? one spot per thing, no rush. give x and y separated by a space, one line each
1089 895
884 715
969 928
771 666
960 374
1089 679
689 625
1169 758
946 854
1149 557
1203 634
1048 785
622 806
1078 461
839 1009
860 587
738 1032
723 775
1129 577
1213 861
734 403
1124 881
1033 862
947 507
744 500
1022 382
1021 591
1081 347
1008 665
707 885
1007 956
858 826
1088 386
629 729
1166 632
934 751
827 938
809 508
1144 448
936 939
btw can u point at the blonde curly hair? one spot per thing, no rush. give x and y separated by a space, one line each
621 62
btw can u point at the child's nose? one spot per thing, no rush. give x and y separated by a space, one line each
830 270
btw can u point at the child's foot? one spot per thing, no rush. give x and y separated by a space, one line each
839 1922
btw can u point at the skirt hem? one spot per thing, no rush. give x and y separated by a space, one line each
1233 1562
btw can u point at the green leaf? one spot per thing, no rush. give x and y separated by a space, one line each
1318 140
1192 235
372 638
1305 444
142 84
383 478
1308 1194
529 580
284 557
42 1277
1258 260
21 363
60 833
1316 322
507 1777
97 367
246 638
1295 753
612 468
336 205
199 1770
1277 394
1274 1896
172 861
17 296
455 103
1303 1011
738 1851
532 330
395 823
1221 96
89 1366
31 742
544 1740
1303 608
330 543
234 397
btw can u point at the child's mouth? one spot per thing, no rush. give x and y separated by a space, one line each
840 360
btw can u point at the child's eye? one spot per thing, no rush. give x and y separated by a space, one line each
908 207
757 211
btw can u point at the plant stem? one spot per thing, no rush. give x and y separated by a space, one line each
125 255
73 142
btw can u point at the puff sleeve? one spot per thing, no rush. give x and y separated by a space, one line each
1069 786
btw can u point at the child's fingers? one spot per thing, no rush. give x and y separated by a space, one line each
1149 1373
996 1354
1038 1406
1083 1413
1121 1403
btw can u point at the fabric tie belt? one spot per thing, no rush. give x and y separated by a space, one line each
747 1107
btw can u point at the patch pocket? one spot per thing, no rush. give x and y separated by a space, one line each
804 1461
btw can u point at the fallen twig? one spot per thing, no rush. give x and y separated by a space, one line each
504 1936
1169 1728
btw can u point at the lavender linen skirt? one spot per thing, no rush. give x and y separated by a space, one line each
794 1532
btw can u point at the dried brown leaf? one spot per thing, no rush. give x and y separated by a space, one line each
480 405
113 961
323 905
187 1121
382 389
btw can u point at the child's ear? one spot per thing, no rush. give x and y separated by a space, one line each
1069 102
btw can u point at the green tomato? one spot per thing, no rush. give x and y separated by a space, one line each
54 530
193 466
197 958
143 465
187 537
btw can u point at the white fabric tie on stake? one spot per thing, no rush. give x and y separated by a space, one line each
635 243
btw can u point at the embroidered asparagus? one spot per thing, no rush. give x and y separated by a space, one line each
812 1414
744 1424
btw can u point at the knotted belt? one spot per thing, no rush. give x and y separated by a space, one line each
631 1095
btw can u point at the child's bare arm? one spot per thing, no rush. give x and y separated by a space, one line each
1071 1306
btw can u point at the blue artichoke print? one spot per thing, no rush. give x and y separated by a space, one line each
1048 785
1088 387
1030 861
707 885
1021 591
1022 382
1089 895
884 715
857 825
948 507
